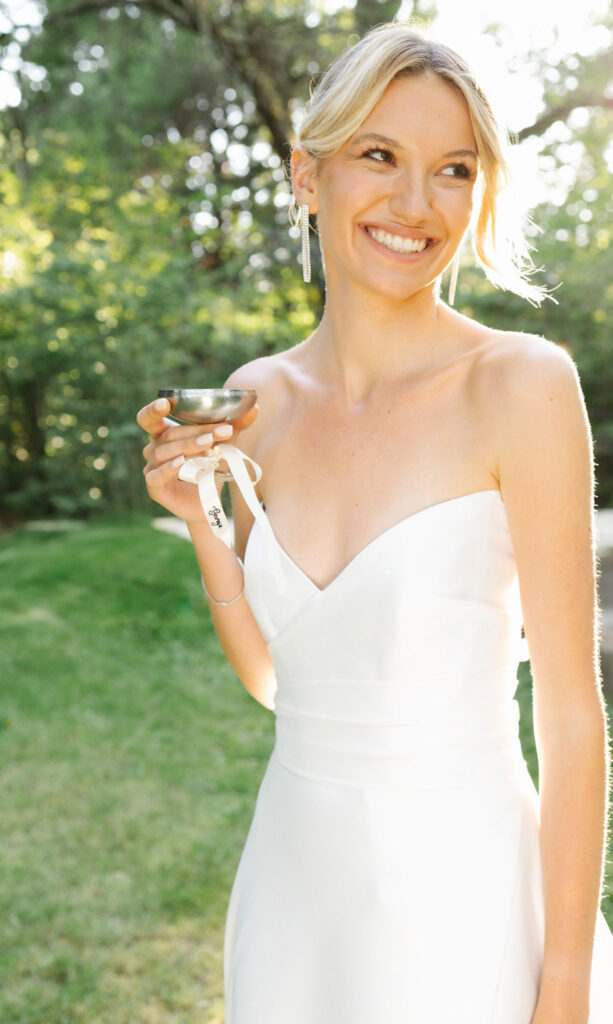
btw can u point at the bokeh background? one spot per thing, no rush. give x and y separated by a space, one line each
145 243
145 239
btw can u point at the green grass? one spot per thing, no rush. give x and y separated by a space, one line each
131 757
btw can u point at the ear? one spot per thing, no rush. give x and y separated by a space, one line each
304 178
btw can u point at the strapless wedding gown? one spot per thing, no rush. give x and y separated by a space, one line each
392 872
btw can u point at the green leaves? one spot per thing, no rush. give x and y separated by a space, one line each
145 239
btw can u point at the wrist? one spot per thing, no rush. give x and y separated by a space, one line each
546 1014
195 524
563 1001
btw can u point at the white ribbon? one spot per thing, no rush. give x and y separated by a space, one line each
200 470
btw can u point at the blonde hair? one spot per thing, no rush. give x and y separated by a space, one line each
353 84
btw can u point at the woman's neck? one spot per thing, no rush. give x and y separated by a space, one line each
370 341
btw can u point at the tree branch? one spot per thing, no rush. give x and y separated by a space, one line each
562 111
272 112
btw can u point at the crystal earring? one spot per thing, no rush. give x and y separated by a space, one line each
306 248
453 280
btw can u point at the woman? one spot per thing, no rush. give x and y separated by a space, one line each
428 484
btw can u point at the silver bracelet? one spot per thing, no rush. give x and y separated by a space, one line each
233 599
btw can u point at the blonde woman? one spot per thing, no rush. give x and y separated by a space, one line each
428 486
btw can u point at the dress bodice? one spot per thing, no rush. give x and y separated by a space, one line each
422 629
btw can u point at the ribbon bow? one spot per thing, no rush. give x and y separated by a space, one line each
200 470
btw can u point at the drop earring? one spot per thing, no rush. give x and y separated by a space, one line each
453 280
306 247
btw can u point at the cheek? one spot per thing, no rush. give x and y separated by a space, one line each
339 206
344 195
457 204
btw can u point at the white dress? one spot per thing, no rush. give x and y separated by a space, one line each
392 872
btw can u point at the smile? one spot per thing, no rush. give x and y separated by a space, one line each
398 243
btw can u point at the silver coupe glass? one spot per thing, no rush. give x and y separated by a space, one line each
208 405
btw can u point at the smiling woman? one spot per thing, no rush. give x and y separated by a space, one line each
346 95
428 486
408 194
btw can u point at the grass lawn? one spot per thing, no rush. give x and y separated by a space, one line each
131 759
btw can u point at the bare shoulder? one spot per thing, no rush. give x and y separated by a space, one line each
528 390
530 361
264 372
540 436
272 377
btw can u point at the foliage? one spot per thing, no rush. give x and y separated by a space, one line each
145 233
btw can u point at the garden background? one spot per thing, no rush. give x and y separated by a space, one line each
145 243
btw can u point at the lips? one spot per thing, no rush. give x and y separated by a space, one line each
396 229
401 244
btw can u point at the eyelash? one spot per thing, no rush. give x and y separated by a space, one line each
465 171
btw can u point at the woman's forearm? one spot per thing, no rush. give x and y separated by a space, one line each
237 630
573 787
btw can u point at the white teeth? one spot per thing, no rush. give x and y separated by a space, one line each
398 242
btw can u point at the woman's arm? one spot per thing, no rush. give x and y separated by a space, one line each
249 657
237 630
546 474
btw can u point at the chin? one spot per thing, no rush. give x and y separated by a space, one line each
396 288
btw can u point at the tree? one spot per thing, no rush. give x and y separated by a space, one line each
145 230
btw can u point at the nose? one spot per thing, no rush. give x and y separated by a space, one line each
411 200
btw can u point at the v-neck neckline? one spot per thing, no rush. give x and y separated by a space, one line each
372 543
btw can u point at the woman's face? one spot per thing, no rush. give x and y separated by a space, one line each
395 201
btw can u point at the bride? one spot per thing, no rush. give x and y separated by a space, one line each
413 459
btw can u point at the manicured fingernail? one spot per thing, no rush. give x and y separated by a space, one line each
180 459
224 430
204 439
161 404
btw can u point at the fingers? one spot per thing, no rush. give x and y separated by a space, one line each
167 436
222 431
165 458
158 478
186 441
151 417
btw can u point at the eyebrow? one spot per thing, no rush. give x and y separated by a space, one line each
384 140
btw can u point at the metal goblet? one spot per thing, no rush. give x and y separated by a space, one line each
209 405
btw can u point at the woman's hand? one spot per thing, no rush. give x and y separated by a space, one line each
168 448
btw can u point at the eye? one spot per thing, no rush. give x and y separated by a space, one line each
386 153
459 171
